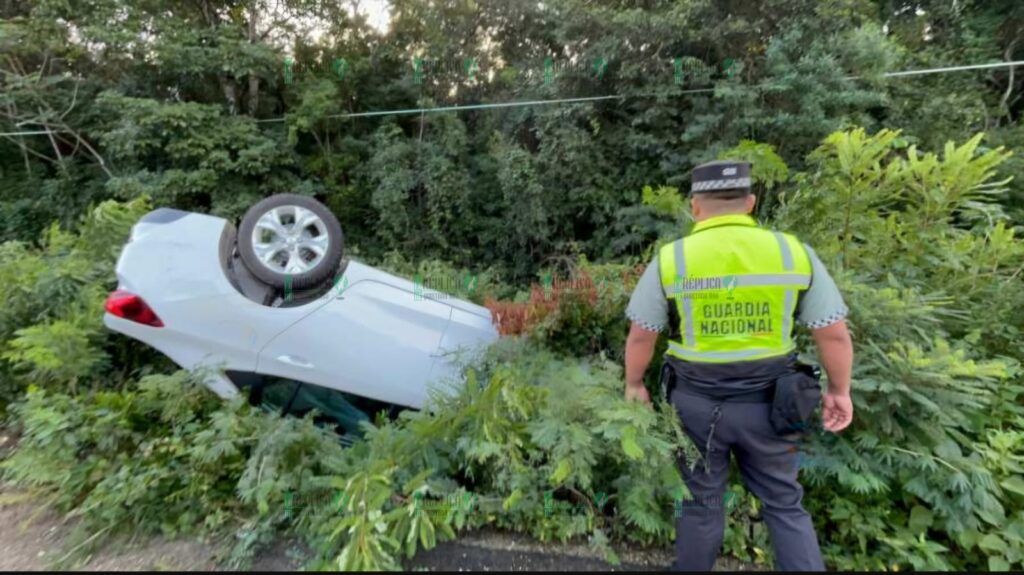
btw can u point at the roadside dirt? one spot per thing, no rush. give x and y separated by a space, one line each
501 551
32 538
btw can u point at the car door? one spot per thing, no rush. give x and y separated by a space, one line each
373 339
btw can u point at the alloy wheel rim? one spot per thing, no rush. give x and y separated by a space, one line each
290 239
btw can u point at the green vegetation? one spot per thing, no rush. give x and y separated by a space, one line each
540 440
527 430
51 323
905 187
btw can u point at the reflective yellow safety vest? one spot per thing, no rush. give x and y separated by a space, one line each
734 287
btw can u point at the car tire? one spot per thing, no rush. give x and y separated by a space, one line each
283 256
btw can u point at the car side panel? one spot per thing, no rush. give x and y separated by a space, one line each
373 339
466 338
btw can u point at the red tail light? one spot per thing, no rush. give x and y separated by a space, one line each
130 306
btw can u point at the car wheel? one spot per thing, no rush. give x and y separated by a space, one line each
290 241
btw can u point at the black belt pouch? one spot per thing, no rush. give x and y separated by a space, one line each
668 380
797 395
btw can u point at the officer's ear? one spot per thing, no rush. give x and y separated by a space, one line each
694 207
750 202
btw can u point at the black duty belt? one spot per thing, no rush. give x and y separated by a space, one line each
765 395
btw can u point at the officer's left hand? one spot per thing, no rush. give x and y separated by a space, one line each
836 411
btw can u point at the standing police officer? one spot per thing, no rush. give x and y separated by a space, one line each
728 294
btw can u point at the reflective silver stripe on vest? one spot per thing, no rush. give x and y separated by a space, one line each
787 319
687 303
688 285
787 256
684 353
787 306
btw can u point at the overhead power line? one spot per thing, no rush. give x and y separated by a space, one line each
30 133
524 103
460 108
951 69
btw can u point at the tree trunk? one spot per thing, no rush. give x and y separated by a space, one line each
1004 106
254 80
230 92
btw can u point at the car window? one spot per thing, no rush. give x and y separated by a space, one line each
277 393
336 410
332 405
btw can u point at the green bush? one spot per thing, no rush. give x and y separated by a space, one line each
929 266
531 442
168 457
51 323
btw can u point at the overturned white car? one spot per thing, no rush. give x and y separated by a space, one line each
275 308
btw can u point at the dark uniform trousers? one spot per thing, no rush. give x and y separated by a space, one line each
768 464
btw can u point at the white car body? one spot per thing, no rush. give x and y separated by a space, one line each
372 335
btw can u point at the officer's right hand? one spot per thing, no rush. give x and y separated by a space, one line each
638 393
836 411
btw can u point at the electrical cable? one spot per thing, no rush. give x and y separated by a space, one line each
524 103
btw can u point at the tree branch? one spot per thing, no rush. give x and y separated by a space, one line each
1008 56
254 80
26 150
67 129
56 148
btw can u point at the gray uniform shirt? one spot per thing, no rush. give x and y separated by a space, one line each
821 305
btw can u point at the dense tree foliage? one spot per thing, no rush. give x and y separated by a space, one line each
906 186
209 105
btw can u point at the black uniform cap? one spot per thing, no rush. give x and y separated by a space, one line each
720 176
